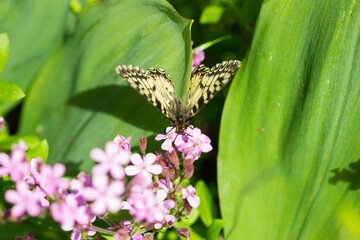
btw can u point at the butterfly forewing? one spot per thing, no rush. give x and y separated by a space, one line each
154 84
205 83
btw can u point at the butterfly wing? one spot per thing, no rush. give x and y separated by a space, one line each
154 84
205 83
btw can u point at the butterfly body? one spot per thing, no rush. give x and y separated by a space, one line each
158 89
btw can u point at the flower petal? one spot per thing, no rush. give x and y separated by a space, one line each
132 170
136 159
149 159
155 169
194 201
98 155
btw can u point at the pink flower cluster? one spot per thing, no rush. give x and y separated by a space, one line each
191 144
144 185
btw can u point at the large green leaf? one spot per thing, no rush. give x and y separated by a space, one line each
35 30
79 102
291 123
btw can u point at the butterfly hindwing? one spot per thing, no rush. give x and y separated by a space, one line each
154 84
205 83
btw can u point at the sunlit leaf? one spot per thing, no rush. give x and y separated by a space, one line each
213 231
36 29
9 92
41 150
290 129
212 14
207 206
4 49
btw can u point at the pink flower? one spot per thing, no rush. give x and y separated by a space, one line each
121 235
201 141
24 200
149 206
76 234
140 183
20 146
126 225
50 178
189 194
35 166
145 166
169 138
163 184
137 237
105 195
198 56
194 144
2 123
16 165
123 142
112 160
79 182
70 212
169 221
42 197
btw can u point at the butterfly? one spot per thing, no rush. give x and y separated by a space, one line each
157 87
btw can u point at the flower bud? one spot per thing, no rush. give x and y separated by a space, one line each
148 236
184 232
189 169
143 144
166 172
173 174
173 158
188 209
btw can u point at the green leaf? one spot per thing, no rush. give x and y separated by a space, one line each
212 14
86 103
215 228
36 29
4 49
9 92
41 150
207 206
290 138
213 42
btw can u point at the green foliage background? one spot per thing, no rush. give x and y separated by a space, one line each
288 161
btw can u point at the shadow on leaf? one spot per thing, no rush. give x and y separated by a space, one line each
124 103
351 176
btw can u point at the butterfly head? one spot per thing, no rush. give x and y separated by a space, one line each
180 125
